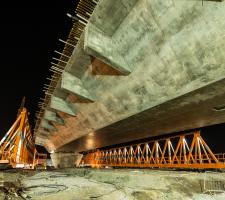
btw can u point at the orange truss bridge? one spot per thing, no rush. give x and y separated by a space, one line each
17 147
182 151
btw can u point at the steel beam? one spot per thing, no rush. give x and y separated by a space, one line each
171 152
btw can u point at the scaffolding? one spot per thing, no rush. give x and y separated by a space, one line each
17 147
182 151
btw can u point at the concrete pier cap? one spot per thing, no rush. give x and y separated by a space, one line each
65 159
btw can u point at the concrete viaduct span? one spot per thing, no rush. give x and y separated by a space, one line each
133 69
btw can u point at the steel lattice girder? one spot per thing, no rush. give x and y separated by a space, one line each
182 151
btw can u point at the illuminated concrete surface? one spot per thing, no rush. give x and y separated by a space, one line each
141 68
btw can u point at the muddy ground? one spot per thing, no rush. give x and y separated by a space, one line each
111 184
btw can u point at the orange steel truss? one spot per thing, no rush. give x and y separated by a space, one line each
183 151
17 147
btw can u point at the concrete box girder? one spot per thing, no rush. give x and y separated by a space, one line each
44 131
114 12
46 125
61 105
51 116
74 85
94 38
40 141
168 49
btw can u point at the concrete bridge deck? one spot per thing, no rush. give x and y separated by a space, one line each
141 68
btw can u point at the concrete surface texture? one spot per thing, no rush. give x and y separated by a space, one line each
141 68
84 184
65 160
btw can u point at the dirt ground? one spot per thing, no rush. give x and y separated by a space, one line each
111 184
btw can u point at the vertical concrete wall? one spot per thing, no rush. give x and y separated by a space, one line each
65 160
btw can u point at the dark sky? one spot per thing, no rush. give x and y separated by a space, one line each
29 34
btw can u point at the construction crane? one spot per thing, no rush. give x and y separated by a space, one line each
17 147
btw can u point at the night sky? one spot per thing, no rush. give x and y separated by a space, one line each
29 34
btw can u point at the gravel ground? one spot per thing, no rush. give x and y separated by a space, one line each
111 184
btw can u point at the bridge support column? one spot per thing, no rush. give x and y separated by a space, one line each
65 160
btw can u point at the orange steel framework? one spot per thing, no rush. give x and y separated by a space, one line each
17 147
182 151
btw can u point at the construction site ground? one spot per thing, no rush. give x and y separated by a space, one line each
111 184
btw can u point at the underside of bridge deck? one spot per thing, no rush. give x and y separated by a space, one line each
140 68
